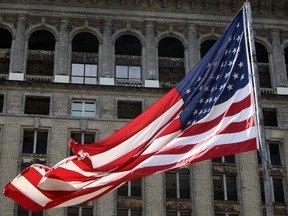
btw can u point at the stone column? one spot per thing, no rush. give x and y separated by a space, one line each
18 51
278 61
106 76
150 75
193 47
249 186
202 191
154 203
62 56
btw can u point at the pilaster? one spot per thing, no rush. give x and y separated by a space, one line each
280 75
18 55
151 76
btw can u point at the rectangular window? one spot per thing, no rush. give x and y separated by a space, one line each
177 213
278 190
129 109
1 103
178 183
129 212
81 210
274 153
83 137
35 142
37 105
83 108
225 187
131 188
128 72
24 212
224 159
270 117
84 73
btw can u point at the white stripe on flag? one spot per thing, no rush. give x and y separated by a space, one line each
135 140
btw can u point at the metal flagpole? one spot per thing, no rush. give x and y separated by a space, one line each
262 147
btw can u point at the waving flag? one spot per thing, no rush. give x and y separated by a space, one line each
207 115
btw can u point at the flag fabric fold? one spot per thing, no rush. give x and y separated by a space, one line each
208 114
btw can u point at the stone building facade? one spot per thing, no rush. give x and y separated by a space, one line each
84 68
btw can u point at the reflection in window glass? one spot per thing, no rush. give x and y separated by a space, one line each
77 69
128 72
84 73
134 73
83 108
121 72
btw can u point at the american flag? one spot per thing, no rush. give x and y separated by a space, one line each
208 114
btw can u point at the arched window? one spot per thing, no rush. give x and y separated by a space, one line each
5 46
85 47
171 61
40 62
263 66
128 59
206 46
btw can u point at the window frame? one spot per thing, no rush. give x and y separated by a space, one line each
225 187
84 76
128 77
83 110
183 171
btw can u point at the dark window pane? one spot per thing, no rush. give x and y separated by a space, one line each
1 103
231 185
170 47
28 140
129 109
230 159
184 185
42 40
217 160
122 212
89 138
270 117
218 187
24 212
42 138
37 105
274 154
136 212
171 185
171 213
136 187
128 45
76 136
278 190
85 42
206 46
123 190
5 38
87 211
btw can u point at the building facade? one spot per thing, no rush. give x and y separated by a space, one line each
82 69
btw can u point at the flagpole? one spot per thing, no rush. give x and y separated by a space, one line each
262 147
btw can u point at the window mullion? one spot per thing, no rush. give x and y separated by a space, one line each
225 187
177 185
35 142
129 188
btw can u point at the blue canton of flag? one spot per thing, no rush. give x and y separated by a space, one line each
216 78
